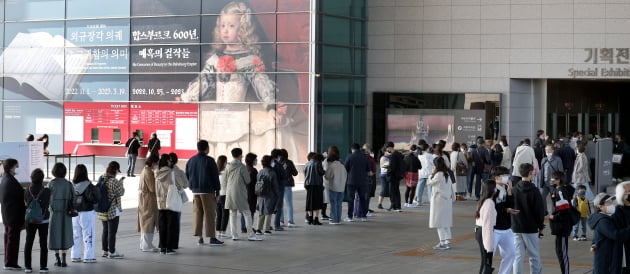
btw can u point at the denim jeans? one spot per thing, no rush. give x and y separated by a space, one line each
279 207
582 223
422 182
131 162
527 242
336 201
288 200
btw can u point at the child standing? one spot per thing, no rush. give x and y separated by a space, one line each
580 202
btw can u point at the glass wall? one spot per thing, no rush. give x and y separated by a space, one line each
341 70
236 73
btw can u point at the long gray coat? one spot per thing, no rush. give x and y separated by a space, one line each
237 178
60 235
267 204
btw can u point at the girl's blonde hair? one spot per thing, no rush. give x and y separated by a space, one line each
246 33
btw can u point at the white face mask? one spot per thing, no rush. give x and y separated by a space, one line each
16 171
505 179
610 209
549 155
255 163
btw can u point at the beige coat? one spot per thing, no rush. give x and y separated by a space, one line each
164 177
237 178
147 202
442 196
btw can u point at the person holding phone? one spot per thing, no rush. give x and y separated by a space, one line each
504 205
111 218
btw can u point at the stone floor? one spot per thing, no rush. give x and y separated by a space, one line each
388 243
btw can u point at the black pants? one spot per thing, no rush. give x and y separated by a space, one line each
168 224
410 192
31 230
11 245
486 258
110 228
362 190
223 215
394 193
562 251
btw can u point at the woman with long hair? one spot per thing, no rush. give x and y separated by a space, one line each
314 185
485 220
168 221
147 205
336 176
223 215
441 213
84 224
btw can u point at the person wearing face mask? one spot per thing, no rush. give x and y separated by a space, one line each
485 220
607 237
550 164
560 220
622 216
13 210
250 162
504 205
581 203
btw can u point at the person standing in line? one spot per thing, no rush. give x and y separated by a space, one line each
504 205
168 221
529 222
147 205
314 185
268 197
203 176
384 166
469 162
395 173
251 161
426 164
13 210
133 144
154 145
581 172
506 161
182 181
111 218
458 158
283 181
550 164
223 215
367 149
38 192
84 224
288 190
442 197
496 155
560 219
621 217
523 154
568 156
336 176
411 176
358 167
485 220
61 194
237 178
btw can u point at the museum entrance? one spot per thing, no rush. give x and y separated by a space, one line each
587 106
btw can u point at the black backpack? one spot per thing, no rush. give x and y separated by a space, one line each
262 186
103 203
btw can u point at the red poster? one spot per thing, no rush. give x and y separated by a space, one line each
90 128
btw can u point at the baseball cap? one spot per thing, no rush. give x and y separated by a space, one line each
602 198
115 165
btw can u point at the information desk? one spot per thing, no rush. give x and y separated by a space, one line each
109 150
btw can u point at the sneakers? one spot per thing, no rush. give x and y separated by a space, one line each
12 267
43 270
170 252
369 214
200 242
89 261
278 228
76 260
348 220
258 232
254 238
28 270
267 232
380 206
583 238
325 218
224 236
215 242
575 238
105 254
333 223
116 255
442 247
155 249
234 238
363 219
291 225
397 210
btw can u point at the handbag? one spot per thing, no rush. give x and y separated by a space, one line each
461 168
181 192
562 204
173 198
411 179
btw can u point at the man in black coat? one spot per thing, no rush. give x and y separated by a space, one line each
395 172
357 166
13 211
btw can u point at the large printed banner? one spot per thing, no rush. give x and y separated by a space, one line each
97 123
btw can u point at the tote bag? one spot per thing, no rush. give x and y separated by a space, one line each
173 199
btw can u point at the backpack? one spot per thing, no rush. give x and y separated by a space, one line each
262 186
34 212
86 200
103 203
583 207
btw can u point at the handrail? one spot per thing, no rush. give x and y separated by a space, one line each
70 156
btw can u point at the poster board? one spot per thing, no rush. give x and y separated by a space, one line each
30 155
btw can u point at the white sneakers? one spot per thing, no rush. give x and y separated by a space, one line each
254 238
